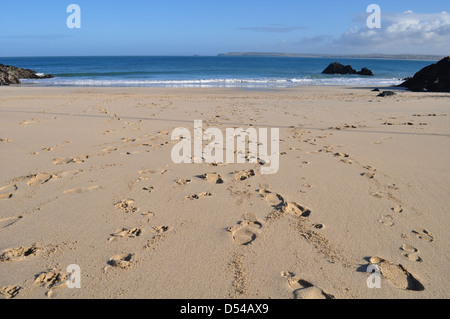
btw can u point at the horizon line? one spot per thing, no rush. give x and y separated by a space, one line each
404 56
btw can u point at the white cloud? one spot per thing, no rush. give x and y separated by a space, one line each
406 32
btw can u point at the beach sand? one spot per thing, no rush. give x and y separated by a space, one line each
86 178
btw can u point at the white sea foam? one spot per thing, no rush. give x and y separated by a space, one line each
262 82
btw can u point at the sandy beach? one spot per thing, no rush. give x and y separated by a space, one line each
87 179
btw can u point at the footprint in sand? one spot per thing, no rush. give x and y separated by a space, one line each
346 161
247 230
9 292
52 279
149 189
275 200
397 209
82 190
124 232
198 196
303 289
393 186
368 175
397 275
124 261
160 229
243 175
296 210
107 132
126 207
386 220
77 160
182 181
70 174
377 194
7 192
147 171
19 253
424 235
370 168
344 155
27 122
39 179
411 252
212 178
108 150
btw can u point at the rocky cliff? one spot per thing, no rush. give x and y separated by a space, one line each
432 78
12 75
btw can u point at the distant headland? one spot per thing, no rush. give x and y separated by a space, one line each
352 56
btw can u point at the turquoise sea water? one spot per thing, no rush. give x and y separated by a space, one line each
265 72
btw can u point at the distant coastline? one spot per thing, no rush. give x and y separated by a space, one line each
337 56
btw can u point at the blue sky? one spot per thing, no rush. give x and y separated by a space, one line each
209 27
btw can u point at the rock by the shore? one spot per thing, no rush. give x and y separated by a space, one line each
12 75
338 68
387 93
365 71
433 78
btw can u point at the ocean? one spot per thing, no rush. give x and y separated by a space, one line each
211 71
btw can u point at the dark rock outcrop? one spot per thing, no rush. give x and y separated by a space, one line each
365 71
8 78
12 75
338 68
433 78
387 93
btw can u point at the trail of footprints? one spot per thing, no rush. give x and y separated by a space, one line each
396 274
370 173
127 206
51 279
247 231
244 233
